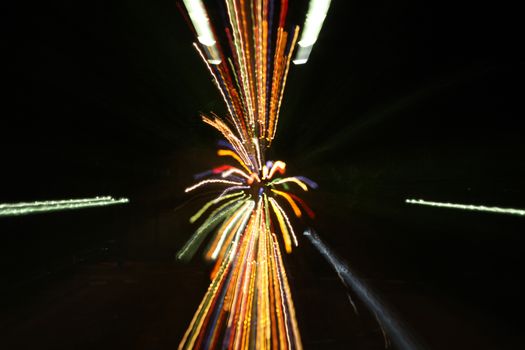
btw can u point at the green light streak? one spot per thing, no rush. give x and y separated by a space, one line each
470 207
26 208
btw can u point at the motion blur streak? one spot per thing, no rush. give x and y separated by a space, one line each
391 325
249 302
470 207
199 19
25 208
317 11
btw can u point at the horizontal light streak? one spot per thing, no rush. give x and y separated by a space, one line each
470 207
25 208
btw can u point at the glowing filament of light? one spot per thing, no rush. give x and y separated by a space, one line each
227 152
248 304
289 199
230 172
201 23
277 166
211 181
315 17
198 214
470 207
25 208
389 323
290 179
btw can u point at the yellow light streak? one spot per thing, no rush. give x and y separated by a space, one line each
290 200
227 152
282 225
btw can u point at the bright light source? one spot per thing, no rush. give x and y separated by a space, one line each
315 17
201 23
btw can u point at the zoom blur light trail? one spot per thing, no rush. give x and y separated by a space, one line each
399 334
249 303
317 10
497 210
25 208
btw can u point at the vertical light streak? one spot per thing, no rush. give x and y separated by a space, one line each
249 303
315 17
201 23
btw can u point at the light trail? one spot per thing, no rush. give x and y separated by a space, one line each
392 326
26 208
498 210
315 17
201 23
249 303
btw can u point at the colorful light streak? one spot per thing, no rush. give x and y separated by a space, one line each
248 304
498 210
26 208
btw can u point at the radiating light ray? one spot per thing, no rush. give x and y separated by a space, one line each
229 172
213 220
200 20
277 166
25 208
235 217
498 210
309 182
290 179
249 303
202 210
230 189
227 152
393 327
289 225
282 224
315 17
211 181
290 200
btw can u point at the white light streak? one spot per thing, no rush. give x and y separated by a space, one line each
401 337
315 17
212 181
497 210
25 208
201 23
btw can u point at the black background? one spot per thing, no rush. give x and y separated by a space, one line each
399 100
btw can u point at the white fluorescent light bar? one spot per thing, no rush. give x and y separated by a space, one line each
317 10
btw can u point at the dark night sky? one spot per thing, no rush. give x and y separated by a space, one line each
405 99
